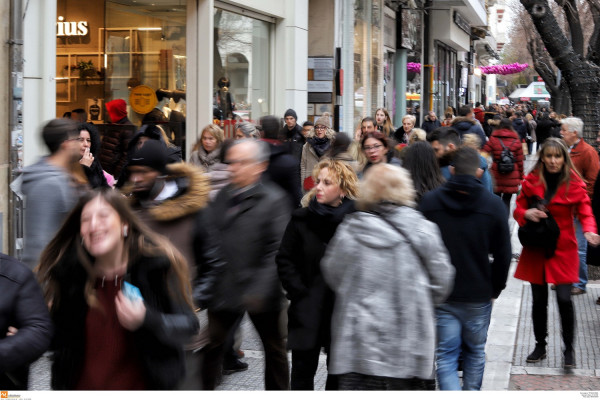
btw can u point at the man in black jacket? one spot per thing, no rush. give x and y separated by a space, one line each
25 325
291 132
172 200
250 216
284 167
474 225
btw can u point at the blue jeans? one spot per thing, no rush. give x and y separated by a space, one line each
462 327
582 250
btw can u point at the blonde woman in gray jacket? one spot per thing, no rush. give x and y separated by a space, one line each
389 269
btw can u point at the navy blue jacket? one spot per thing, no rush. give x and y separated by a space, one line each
474 225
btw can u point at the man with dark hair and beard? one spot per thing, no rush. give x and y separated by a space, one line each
445 141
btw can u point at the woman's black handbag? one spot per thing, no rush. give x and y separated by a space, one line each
543 234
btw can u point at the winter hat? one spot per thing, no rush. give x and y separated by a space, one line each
152 154
290 113
117 109
323 120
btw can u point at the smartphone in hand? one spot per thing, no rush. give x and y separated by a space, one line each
131 292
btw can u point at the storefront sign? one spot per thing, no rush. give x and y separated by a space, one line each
65 28
142 99
320 63
320 86
323 74
310 109
462 22
319 97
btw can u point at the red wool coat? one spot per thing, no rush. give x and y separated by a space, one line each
563 267
505 183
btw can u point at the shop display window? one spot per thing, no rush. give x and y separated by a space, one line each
242 66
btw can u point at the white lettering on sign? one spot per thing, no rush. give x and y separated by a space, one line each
65 28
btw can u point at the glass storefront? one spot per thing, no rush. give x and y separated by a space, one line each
445 81
410 39
241 67
107 49
368 51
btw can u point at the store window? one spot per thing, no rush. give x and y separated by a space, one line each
368 53
445 93
242 68
107 50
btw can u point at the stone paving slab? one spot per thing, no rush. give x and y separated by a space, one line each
554 382
587 331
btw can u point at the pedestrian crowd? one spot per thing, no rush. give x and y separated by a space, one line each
385 249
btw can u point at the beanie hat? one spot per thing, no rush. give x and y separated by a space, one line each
291 113
152 154
323 120
117 109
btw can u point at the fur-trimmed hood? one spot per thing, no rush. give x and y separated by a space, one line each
459 120
192 194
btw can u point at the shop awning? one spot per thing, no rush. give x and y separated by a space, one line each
534 92
413 96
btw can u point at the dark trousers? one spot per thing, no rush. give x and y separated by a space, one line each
221 323
304 368
540 313
230 355
505 199
354 381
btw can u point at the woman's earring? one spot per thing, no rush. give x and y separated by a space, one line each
125 231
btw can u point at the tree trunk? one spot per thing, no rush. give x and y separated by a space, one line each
561 99
581 76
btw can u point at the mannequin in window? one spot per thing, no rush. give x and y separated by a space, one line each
157 115
224 99
177 117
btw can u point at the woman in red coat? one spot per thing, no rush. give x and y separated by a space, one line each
555 181
505 184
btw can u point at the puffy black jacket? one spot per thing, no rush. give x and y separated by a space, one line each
23 307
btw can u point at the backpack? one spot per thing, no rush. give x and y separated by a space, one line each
506 162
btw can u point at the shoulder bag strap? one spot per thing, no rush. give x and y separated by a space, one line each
397 229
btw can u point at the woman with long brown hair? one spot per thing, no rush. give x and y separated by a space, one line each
120 300
384 122
553 187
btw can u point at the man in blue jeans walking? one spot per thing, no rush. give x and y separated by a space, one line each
474 226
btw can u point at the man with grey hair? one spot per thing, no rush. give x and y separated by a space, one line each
250 216
474 226
431 122
586 160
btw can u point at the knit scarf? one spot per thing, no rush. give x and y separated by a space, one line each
208 159
320 145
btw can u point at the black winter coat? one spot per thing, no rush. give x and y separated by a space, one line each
249 227
167 327
284 170
521 127
23 307
429 126
115 141
546 128
298 263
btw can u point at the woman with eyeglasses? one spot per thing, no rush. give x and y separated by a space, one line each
375 145
318 142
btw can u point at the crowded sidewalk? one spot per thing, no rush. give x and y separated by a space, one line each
510 339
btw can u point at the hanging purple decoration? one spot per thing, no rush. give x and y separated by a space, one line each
413 67
505 69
